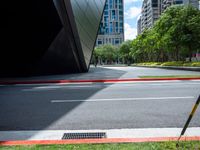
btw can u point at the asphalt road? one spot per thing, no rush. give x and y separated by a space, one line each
98 106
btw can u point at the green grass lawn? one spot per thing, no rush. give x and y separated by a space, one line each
189 145
172 76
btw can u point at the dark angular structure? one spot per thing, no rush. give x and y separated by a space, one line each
48 36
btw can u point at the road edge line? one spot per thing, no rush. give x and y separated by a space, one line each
93 81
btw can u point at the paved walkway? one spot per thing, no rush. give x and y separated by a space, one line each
109 73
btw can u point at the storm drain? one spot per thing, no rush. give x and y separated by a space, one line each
96 135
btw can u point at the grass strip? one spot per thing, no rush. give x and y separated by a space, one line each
171 76
184 145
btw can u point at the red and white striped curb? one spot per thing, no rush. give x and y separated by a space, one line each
93 81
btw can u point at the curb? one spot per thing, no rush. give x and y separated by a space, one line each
97 141
93 81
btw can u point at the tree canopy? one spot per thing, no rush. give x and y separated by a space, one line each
175 36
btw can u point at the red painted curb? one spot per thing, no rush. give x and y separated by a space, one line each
97 141
96 80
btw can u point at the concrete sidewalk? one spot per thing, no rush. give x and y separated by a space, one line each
101 73
112 136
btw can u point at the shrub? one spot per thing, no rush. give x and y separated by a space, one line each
173 63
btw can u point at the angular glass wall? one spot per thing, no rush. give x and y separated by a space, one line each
87 15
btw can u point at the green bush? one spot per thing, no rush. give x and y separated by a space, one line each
148 64
173 63
195 64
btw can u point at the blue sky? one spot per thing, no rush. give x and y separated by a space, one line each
132 10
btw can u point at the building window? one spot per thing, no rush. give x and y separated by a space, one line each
99 42
111 4
113 15
121 13
106 41
105 18
106 13
121 25
113 41
107 30
117 41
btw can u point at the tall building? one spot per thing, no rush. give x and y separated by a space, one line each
194 3
139 30
167 3
112 25
150 13
152 9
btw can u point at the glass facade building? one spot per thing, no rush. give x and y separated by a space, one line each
111 29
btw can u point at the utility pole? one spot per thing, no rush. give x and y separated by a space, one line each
189 119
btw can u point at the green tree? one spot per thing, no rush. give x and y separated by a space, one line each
191 29
169 29
106 53
124 51
175 36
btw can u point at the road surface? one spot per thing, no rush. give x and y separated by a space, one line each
98 105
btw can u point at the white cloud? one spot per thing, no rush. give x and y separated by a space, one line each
130 1
133 12
130 33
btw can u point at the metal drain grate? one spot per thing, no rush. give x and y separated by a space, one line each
96 135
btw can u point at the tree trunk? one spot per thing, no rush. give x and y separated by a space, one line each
162 55
177 53
190 53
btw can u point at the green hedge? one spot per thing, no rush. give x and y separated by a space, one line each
172 63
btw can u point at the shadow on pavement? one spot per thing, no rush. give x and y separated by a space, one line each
94 73
30 107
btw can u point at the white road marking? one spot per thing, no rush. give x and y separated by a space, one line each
58 87
111 133
194 80
121 99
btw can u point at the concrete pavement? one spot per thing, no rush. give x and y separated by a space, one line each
108 73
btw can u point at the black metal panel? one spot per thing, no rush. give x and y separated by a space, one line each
44 36
30 27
